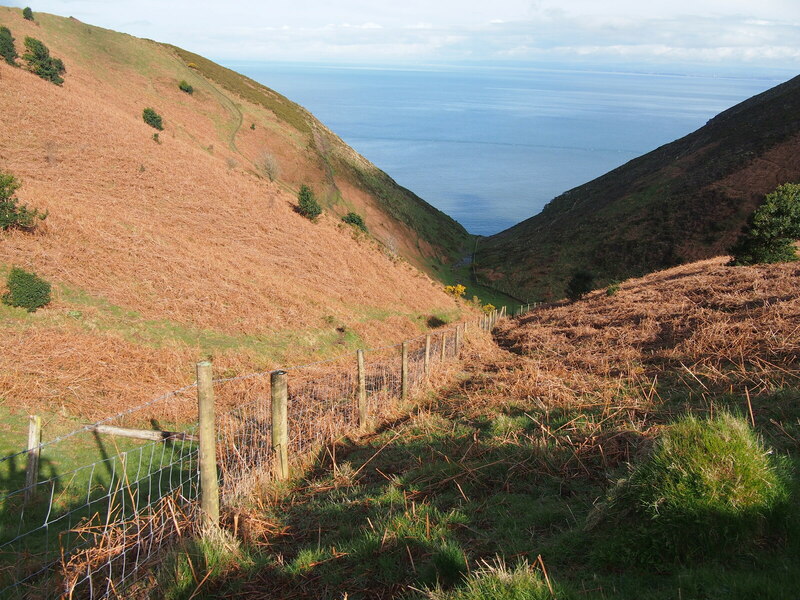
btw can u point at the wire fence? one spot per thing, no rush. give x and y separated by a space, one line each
93 531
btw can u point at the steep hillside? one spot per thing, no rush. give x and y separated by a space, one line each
164 249
685 201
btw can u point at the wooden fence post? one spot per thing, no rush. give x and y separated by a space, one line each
404 370
458 340
427 354
32 468
280 423
209 483
443 352
362 391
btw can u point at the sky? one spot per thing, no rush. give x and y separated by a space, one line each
750 33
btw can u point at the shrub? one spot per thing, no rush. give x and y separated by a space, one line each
356 220
456 291
152 118
27 13
612 289
267 165
40 62
253 126
708 488
7 50
771 230
307 204
12 214
26 290
582 283
185 87
488 308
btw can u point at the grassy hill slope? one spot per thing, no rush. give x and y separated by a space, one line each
163 251
498 486
685 201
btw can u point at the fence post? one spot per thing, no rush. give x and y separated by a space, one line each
444 346
458 340
404 370
209 483
32 469
362 391
280 423
427 354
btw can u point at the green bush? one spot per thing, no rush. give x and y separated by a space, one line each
27 13
355 219
612 289
26 290
771 230
709 488
14 215
152 118
582 283
7 50
185 87
307 205
40 62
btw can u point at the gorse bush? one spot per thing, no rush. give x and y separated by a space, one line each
307 205
772 229
708 488
7 50
185 87
40 62
152 118
356 220
579 285
26 290
14 215
456 291
27 13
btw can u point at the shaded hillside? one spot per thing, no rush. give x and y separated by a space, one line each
165 248
502 477
685 201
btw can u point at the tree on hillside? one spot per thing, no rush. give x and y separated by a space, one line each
41 63
307 205
14 215
27 13
772 229
582 283
7 50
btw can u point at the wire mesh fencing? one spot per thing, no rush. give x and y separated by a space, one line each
93 531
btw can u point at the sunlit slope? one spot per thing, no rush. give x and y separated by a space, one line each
179 241
685 201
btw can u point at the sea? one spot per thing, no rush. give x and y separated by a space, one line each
490 145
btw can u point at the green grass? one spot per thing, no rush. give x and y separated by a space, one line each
429 502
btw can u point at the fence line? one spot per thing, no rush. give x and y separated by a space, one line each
92 531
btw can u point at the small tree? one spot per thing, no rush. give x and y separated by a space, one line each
307 205
12 214
185 87
26 290
27 13
771 230
152 118
40 62
356 220
582 283
7 50
267 165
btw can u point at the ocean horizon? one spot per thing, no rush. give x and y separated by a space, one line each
491 145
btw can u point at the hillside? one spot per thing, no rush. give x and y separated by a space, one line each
501 485
165 250
685 201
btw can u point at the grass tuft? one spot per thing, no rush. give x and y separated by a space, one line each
708 488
